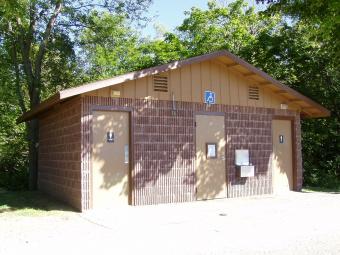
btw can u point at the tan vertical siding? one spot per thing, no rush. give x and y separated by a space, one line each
242 91
129 89
141 88
205 76
175 80
234 96
224 86
260 102
216 81
266 99
196 82
186 84
189 82
104 92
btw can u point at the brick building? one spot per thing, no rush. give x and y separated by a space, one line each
207 127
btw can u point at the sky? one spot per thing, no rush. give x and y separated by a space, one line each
170 13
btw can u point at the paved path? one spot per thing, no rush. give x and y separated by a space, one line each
296 223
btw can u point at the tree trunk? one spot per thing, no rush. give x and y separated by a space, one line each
33 135
33 77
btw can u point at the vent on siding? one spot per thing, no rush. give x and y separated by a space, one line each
253 93
160 82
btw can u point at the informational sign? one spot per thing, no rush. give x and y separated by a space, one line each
209 97
242 157
211 150
281 140
126 154
110 137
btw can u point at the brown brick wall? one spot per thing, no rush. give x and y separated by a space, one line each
164 147
59 152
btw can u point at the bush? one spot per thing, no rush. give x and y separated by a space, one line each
13 149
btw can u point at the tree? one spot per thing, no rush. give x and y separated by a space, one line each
233 27
291 43
111 48
313 56
28 28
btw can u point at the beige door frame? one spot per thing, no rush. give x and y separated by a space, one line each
226 150
131 149
293 133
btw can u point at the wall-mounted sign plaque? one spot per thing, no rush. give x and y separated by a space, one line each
110 137
211 150
281 139
209 97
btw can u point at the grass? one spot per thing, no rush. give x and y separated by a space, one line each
320 189
29 203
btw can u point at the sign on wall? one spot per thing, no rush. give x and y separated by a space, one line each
209 97
110 137
281 140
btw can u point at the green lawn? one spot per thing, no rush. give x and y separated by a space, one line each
29 203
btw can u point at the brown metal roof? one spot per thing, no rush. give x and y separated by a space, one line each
230 60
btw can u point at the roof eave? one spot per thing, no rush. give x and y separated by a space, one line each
43 106
68 93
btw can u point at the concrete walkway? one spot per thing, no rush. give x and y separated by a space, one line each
294 223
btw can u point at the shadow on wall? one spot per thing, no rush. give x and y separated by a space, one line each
282 163
164 152
109 157
211 171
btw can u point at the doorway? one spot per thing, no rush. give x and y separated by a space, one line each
110 159
282 155
210 157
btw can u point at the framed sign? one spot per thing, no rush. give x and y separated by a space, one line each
281 139
242 157
110 137
209 97
211 150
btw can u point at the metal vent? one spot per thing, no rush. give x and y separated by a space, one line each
160 82
253 93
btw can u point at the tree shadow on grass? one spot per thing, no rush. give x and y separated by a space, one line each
11 201
320 189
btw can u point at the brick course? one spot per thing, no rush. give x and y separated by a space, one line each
164 147
59 152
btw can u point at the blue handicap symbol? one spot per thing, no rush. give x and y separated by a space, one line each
209 97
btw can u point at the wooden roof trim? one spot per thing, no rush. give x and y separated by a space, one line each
48 103
136 75
277 83
67 93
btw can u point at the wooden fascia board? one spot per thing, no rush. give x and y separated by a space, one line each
40 108
136 75
277 83
64 94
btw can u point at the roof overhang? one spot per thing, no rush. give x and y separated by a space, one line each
309 109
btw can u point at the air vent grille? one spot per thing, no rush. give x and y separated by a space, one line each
160 82
253 93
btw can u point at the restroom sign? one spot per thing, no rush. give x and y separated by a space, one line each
110 137
209 97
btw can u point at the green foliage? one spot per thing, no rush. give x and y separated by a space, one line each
39 53
231 27
309 53
13 144
109 46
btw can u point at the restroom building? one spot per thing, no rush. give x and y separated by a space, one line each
207 127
